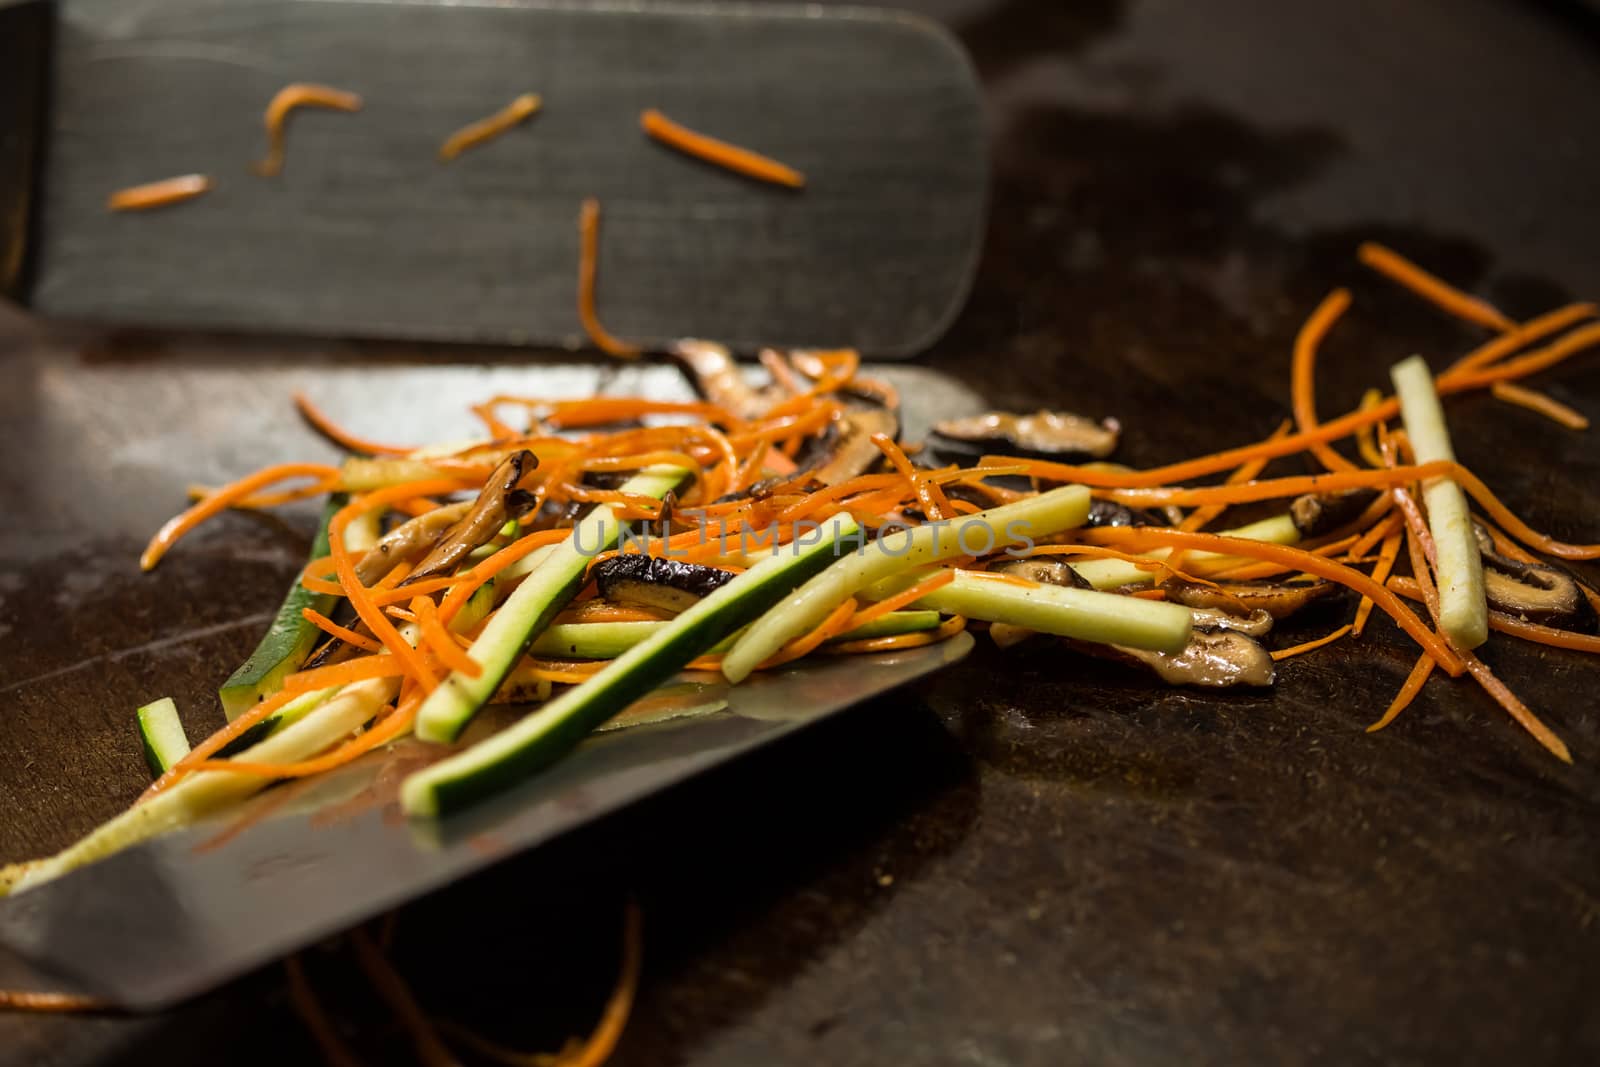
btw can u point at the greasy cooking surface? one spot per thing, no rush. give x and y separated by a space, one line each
1032 859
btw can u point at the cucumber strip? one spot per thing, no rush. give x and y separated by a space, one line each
1117 573
526 612
545 735
1463 604
978 534
162 735
288 640
1108 618
289 714
476 609
608 640
210 791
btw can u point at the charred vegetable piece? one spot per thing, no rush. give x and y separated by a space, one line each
502 498
1111 513
849 448
1534 592
1277 599
1318 513
1053 434
719 379
1046 569
1256 624
665 584
410 540
1216 659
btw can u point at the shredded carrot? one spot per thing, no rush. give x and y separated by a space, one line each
1432 289
475 133
907 596
588 261
440 640
1297 559
339 436
298 94
334 1051
350 671
1540 404
1366 442
49 1003
605 611
233 730
1546 325
1311 646
1375 533
431 1051
837 622
1386 558
1303 374
1408 692
220 500
259 501
343 633
934 502
947 629
1199 518
159 194
386 729
720 153
1522 366
1519 711
426 585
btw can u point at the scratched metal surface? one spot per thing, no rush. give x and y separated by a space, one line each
1034 860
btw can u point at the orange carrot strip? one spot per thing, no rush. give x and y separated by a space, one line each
721 153
948 629
1297 559
343 438
1551 322
1302 375
362 669
908 596
298 94
1519 711
1432 289
219 501
322 585
360 598
487 568
837 622
427 585
1311 646
440 641
588 260
614 1018
262 501
333 629
1524 365
475 133
600 410
1540 404
159 194
1408 692
210 745
1377 531
934 503
1246 472
49 1003
1386 558
388 728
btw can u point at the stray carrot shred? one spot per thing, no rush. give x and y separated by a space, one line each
224 497
333 629
475 133
589 256
1540 404
298 94
1441 294
440 640
1313 645
721 153
159 194
1302 375
900 599
1408 692
339 436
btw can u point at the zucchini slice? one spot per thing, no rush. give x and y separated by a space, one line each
162 735
549 733
1108 574
288 640
528 610
980 533
608 640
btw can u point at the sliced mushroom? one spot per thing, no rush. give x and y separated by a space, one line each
719 378
1277 599
1256 624
1044 569
1213 658
1318 513
1056 434
1537 593
502 498
1111 513
408 541
656 582
849 448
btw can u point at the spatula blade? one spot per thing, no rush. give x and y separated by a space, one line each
182 914
366 233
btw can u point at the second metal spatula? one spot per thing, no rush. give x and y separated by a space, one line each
366 233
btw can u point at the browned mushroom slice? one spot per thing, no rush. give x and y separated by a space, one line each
1256 624
1046 433
1045 569
1111 513
1278 599
502 498
1316 514
717 375
849 448
408 541
1215 659
654 582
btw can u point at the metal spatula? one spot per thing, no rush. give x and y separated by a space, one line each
366 233
183 913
